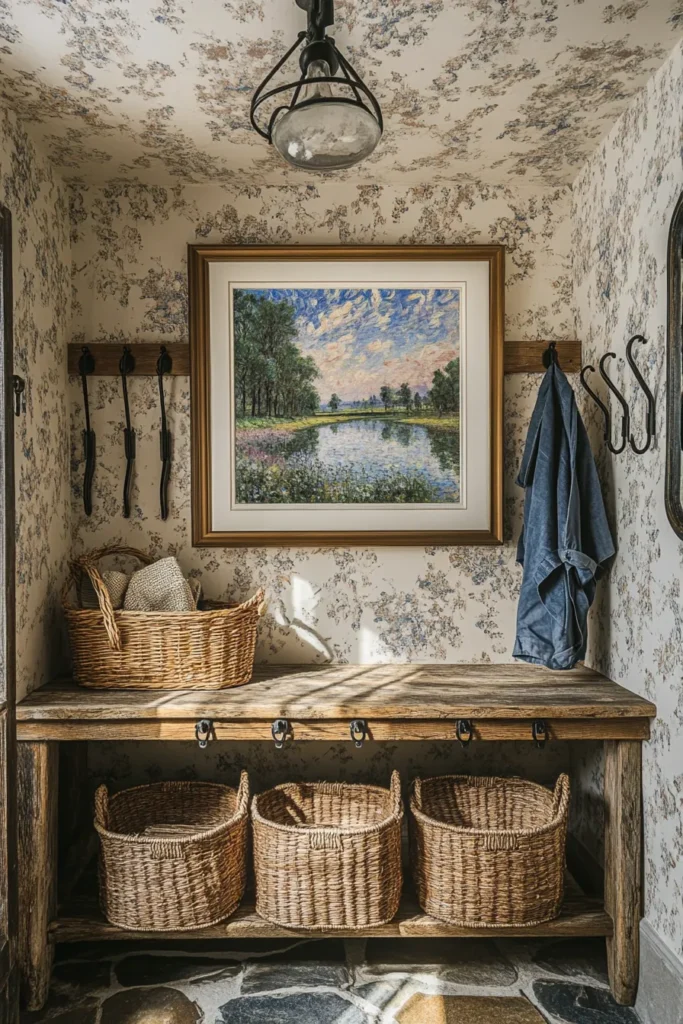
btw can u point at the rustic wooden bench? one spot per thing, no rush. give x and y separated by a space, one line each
381 702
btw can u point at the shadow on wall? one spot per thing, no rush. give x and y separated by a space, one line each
290 614
303 642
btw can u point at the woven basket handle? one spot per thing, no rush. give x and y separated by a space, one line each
243 794
395 789
561 796
102 807
258 599
167 849
88 563
495 841
324 839
417 793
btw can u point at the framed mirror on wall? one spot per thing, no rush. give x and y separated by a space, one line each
674 374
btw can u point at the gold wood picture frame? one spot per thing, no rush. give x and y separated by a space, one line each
346 395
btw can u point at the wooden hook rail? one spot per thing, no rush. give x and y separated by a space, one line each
108 354
519 357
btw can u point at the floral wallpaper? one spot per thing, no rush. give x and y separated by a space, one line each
39 205
160 90
622 204
358 604
354 604
491 109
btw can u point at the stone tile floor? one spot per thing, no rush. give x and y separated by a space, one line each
333 981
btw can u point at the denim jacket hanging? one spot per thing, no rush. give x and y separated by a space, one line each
566 542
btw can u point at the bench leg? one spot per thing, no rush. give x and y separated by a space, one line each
623 823
37 866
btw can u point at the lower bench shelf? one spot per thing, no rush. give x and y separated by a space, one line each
397 702
581 916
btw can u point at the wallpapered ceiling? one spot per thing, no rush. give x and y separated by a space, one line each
159 90
360 604
42 271
621 208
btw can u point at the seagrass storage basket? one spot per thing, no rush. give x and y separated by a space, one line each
489 851
172 854
203 650
328 855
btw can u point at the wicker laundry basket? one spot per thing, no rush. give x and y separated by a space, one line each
489 851
328 855
172 854
203 650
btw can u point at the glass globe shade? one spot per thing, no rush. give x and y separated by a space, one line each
325 136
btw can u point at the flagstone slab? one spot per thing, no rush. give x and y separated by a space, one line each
424 1009
84 975
571 1003
574 956
298 1008
150 1006
378 993
85 1013
460 961
160 970
267 977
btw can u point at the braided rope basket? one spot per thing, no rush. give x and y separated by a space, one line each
202 650
328 855
489 851
172 854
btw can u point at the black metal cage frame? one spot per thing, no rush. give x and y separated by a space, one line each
318 46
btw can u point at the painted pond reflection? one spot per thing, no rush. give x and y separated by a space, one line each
371 458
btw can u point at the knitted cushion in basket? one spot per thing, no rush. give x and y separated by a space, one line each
160 649
116 583
160 587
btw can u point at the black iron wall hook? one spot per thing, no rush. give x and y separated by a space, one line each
550 355
650 422
164 365
86 366
625 414
651 408
607 427
126 366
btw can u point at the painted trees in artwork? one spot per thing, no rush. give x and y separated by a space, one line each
272 377
405 396
386 396
445 393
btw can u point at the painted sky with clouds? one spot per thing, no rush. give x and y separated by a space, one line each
362 338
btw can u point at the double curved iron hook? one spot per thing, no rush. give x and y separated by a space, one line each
626 434
650 415
625 417
625 413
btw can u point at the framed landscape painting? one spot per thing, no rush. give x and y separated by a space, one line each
346 395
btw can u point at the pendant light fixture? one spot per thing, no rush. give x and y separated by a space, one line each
332 120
